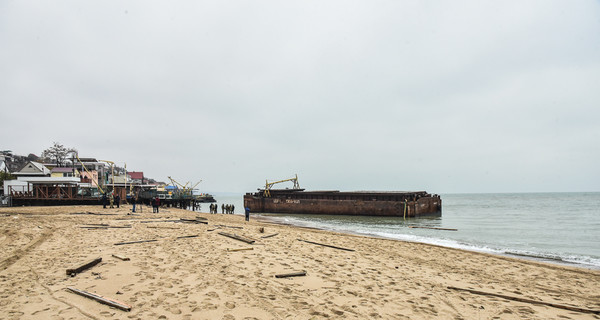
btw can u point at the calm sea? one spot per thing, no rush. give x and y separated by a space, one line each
562 228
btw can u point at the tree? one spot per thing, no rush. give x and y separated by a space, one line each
5 176
57 153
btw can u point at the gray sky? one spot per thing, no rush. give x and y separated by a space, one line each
443 96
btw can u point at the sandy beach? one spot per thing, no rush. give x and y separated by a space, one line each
203 276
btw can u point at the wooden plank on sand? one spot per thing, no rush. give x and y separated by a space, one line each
268 236
132 242
183 237
192 221
555 305
239 249
101 299
120 257
236 237
326 245
87 265
292 274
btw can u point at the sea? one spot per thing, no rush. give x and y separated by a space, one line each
560 228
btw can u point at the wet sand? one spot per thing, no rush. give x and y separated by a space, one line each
199 278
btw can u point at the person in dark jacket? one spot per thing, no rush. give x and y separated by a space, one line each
247 212
156 204
118 200
104 200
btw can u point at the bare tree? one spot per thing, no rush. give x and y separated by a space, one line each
58 154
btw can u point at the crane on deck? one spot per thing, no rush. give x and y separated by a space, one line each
269 185
184 188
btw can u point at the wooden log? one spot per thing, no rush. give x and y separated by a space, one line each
74 271
234 227
434 228
154 227
101 299
240 249
236 237
120 257
551 304
192 221
132 242
326 245
293 274
201 218
269 236
183 237
107 227
214 229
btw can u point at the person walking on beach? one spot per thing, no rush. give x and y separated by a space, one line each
222 208
133 200
232 209
247 212
118 200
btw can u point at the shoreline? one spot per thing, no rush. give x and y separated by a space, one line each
526 257
190 271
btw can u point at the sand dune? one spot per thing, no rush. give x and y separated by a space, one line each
198 278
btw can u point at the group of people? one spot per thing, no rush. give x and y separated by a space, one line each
225 208
112 198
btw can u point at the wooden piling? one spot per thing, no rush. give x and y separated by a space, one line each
269 236
74 271
326 245
101 299
236 237
292 274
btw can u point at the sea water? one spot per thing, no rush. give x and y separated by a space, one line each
561 228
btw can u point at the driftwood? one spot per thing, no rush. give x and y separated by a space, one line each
183 237
106 227
201 218
326 245
96 214
132 242
434 228
74 271
214 229
555 305
101 299
236 237
293 274
240 249
154 227
120 257
192 221
268 236
234 227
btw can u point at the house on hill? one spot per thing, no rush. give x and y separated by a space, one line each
136 177
64 172
33 169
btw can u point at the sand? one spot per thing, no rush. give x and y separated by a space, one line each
198 278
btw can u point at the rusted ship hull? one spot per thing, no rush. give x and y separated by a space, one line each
396 204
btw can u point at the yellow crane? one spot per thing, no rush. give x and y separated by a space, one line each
184 188
86 170
269 185
112 174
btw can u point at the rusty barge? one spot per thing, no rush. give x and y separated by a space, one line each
363 203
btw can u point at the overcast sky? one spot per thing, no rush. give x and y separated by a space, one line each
442 96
